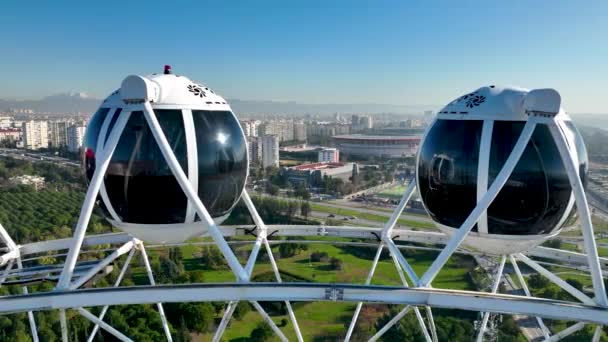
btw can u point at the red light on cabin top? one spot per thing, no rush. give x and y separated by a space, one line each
167 69
89 153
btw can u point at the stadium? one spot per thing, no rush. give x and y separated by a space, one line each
377 145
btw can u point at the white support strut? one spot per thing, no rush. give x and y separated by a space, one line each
103 160
30 314
159 305
390 324
368 281
116 284
190 193
495 285
86 314
524 286
583 212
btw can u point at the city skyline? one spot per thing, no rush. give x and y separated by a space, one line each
349 52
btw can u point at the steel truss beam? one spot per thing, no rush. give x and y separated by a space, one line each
465 300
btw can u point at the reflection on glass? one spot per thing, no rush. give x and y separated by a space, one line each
536 195
222 159
139 182
447 170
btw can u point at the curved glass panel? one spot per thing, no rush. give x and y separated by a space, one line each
447 170
222 159
139 182
90 141
535 197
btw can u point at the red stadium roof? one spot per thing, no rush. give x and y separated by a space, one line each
317 166
380 138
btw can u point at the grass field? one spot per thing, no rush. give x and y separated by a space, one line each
395 191
318 319
370 217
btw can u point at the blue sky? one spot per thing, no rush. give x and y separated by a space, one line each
398 52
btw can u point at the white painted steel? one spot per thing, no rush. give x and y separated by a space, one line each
524 286
121 275
63 326
277 274
269 321
191 193
486 315
441 298
30 314
416 310
390 324
368 281
483 171
192 152
89 201
224 322
101 142
597 334
555 279
571 165
159 306
105 326
566 332
127 247
6 238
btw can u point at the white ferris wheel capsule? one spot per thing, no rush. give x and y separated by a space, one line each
467 146
139 193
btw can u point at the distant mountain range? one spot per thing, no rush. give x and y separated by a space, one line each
59 103
81 103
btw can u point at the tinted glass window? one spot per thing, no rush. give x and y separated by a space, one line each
90 140
447 170
112 123
222 159
139 182
536 195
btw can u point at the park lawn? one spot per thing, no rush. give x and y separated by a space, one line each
320 318
327 319
354 270
569 247
395 191
314 318
370 217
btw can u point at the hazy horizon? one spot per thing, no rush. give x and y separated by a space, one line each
346 52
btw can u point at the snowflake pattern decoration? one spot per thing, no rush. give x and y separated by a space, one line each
197 90
475 101
472 100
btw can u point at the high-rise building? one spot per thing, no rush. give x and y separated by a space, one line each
366 122
329 155
35 135
428 116
6 122
254 149
10 135
75 137
270 151
299 131
58 133
250 127
283 129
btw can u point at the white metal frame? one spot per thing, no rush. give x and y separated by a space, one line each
69 294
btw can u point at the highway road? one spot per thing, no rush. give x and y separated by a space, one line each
347 205
37 157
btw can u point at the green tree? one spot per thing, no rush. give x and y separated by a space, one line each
305 209
263 332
